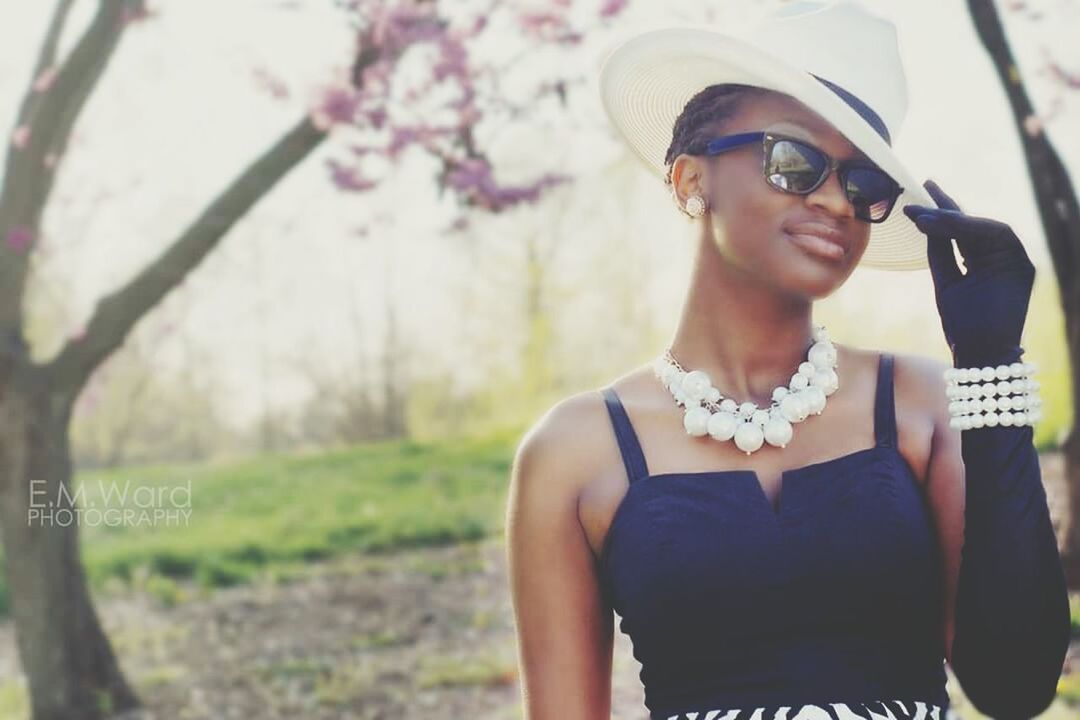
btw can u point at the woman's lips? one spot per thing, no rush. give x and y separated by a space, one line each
817 245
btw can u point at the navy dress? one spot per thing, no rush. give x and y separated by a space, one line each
829 606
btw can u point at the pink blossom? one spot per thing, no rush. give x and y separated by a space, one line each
460 224
469 117
549 27
403 136
386 29
45 80
473 180
361 150
337 106
452 61
465 103
1066 78
376 77
136 14
273 85
404 25
542 25
19 238
611 8
478 26
348 178
1033 125
377 117
20 137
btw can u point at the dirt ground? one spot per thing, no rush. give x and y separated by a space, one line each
418 633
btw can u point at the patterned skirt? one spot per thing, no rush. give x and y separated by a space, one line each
875 710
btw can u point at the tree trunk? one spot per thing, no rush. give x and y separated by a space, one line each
1059 212
72 672
1071 451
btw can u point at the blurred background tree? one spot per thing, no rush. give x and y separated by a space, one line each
1059 212
71 668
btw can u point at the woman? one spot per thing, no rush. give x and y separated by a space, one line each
790 526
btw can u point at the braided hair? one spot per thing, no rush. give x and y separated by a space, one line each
703 117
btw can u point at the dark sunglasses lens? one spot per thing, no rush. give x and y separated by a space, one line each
794 167
871 191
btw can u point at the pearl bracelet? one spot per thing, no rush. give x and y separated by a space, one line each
1004 395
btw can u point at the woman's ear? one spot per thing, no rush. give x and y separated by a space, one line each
684 174
686 178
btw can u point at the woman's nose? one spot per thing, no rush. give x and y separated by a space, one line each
831 197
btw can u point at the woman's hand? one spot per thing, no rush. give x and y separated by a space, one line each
982 311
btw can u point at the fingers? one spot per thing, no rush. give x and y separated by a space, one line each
982 242
960 226
942 261
939 247
939 196
932 221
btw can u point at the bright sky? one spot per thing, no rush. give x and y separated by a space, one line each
179 113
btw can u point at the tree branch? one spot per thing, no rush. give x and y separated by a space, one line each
1055 197
49 116
117 313
49 48
46 59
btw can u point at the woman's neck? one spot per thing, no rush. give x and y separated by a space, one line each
748 337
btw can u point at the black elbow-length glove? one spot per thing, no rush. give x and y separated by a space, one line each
1012 606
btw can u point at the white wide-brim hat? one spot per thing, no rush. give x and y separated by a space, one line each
647 80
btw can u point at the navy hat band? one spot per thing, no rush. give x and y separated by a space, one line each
864 110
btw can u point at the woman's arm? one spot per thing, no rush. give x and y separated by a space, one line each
564 629
1007 610
944 487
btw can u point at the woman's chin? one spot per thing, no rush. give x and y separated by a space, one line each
812 279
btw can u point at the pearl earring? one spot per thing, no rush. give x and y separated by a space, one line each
695 205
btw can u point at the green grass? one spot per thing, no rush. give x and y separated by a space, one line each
268 515
1044 344
14 700
463 671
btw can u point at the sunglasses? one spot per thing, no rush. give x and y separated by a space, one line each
794 166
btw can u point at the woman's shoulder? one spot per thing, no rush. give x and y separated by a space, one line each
921 379
917 375
573 439
920 404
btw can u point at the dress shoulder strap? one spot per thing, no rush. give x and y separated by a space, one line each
885 403
629 447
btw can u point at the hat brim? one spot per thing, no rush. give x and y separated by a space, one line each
646 82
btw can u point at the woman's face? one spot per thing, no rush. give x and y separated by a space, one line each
757 227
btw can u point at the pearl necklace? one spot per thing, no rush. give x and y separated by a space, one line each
709 412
